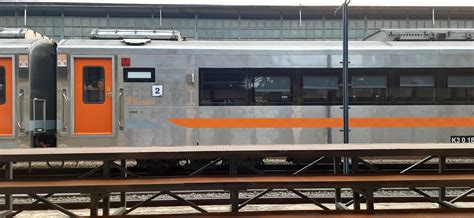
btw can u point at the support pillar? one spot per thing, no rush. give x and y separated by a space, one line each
355 194
442 170
9 197
106 196
337 171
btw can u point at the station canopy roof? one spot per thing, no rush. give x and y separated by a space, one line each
258 3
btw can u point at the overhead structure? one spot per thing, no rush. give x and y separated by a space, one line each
231 20
284 3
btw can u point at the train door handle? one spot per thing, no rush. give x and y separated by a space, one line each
120 121
65 100
20 99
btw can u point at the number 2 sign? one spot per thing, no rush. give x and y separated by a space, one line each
157 90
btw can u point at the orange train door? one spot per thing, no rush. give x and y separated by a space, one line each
6 98
93 87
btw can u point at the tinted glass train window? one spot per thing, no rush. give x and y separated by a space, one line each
3 86
369 87
271 86
415 86
461 81
93 80
417 81
223 87
460 87
321 87
278 86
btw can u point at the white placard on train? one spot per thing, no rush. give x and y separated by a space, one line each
157 90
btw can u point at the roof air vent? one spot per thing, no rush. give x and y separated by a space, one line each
136 34
20 33
421 35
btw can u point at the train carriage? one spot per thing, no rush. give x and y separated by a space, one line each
128 88
27 89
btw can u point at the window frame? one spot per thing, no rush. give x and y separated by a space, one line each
391 95
127 70
3 94
414 100
202 83
371 72
444 86
83 85
321 72
253 72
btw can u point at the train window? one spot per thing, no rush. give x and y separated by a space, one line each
271 87
417 81
368 88
223 87
460 88
3 84
321 88
93 85
461 81
415 86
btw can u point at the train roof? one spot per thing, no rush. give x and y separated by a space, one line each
9 46
385 39
265 45
19 40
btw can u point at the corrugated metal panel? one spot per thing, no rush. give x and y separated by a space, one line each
388 3
324 28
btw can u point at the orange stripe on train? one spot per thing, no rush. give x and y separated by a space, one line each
372 122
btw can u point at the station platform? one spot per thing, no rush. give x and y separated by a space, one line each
236 151
236 178
407 213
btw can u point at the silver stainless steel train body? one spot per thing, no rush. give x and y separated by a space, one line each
140 113
27 89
